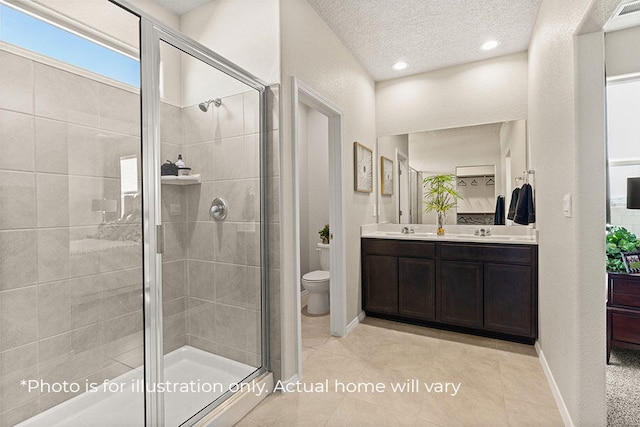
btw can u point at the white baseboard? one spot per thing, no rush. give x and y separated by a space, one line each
564 412
352 325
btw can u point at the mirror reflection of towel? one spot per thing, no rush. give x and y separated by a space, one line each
525 210
499 215
513 203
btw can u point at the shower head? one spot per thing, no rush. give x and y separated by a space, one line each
204 106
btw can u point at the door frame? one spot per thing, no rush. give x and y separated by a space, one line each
305 94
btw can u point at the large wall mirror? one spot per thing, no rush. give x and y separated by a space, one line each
489 160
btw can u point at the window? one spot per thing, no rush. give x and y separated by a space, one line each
38 36
623 148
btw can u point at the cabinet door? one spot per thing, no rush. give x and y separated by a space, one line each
417 288
381 284
461 293
507 298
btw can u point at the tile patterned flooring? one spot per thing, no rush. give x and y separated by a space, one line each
502 383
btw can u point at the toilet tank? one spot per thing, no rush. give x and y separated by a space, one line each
323 251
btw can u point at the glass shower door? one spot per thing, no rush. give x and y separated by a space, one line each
209 208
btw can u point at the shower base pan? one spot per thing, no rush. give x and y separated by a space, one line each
125 407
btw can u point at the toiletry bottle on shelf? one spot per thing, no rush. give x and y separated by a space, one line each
180 162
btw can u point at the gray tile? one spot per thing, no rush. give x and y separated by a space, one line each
199 158
121 292
16 83
231 326
250 232
202 280
170 123
52 146
124 326
65 96
229 117
174 343
201 319
273 107
197 126
174 326
230 284
54 311
175 243
243 199
59 258
231 353
254 331
17 200
12 393
85 151
117 148
53 194
18 315
232 159
123 257
20 413
199 198
174 203
18 358
202 344
18 259
82 192
170 152
173 280
17 141
229 244
174 307
119 110
202 237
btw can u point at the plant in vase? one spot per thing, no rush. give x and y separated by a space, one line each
619 240
440 196
324 234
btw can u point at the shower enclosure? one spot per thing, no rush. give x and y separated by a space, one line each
126 297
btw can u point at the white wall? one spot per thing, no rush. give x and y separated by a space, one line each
566 135
618 44
387 146
313 139
488 91
311 52
245 32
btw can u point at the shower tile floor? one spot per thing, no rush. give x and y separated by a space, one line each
126 408
502 383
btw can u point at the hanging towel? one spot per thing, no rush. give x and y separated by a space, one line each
525 211
499 216
513 203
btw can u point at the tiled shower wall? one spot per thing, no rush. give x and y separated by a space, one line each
70 290
72 311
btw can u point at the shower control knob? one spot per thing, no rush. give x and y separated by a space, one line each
218 210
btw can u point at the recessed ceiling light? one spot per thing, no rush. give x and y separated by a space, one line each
491 44
400 65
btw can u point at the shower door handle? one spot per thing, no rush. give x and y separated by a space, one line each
160 239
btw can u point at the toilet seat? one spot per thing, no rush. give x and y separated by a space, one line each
317 276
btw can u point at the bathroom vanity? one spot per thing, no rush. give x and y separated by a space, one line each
473 284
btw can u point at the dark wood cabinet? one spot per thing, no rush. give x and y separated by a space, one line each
461 290
381 291
417 288
485 289
508 298
623 311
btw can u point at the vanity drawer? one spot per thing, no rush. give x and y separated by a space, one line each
399 248
487 253
625 292
625 326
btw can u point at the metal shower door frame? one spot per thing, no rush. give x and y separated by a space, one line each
152 34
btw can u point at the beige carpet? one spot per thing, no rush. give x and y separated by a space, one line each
623 388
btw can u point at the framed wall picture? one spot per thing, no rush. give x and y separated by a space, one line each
363 168
386 176
631 262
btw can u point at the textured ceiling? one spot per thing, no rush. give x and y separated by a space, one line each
427 34
180 7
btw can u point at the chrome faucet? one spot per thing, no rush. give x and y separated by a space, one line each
407 230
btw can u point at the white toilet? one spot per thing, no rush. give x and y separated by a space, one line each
317 284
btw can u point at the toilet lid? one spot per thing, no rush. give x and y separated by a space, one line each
317 276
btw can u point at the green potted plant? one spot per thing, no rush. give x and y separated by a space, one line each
619 240
324 234
440 196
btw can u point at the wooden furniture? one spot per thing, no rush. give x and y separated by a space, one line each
479 288
623 311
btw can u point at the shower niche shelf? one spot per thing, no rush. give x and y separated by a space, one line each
181 180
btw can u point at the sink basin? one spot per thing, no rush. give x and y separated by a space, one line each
398 233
